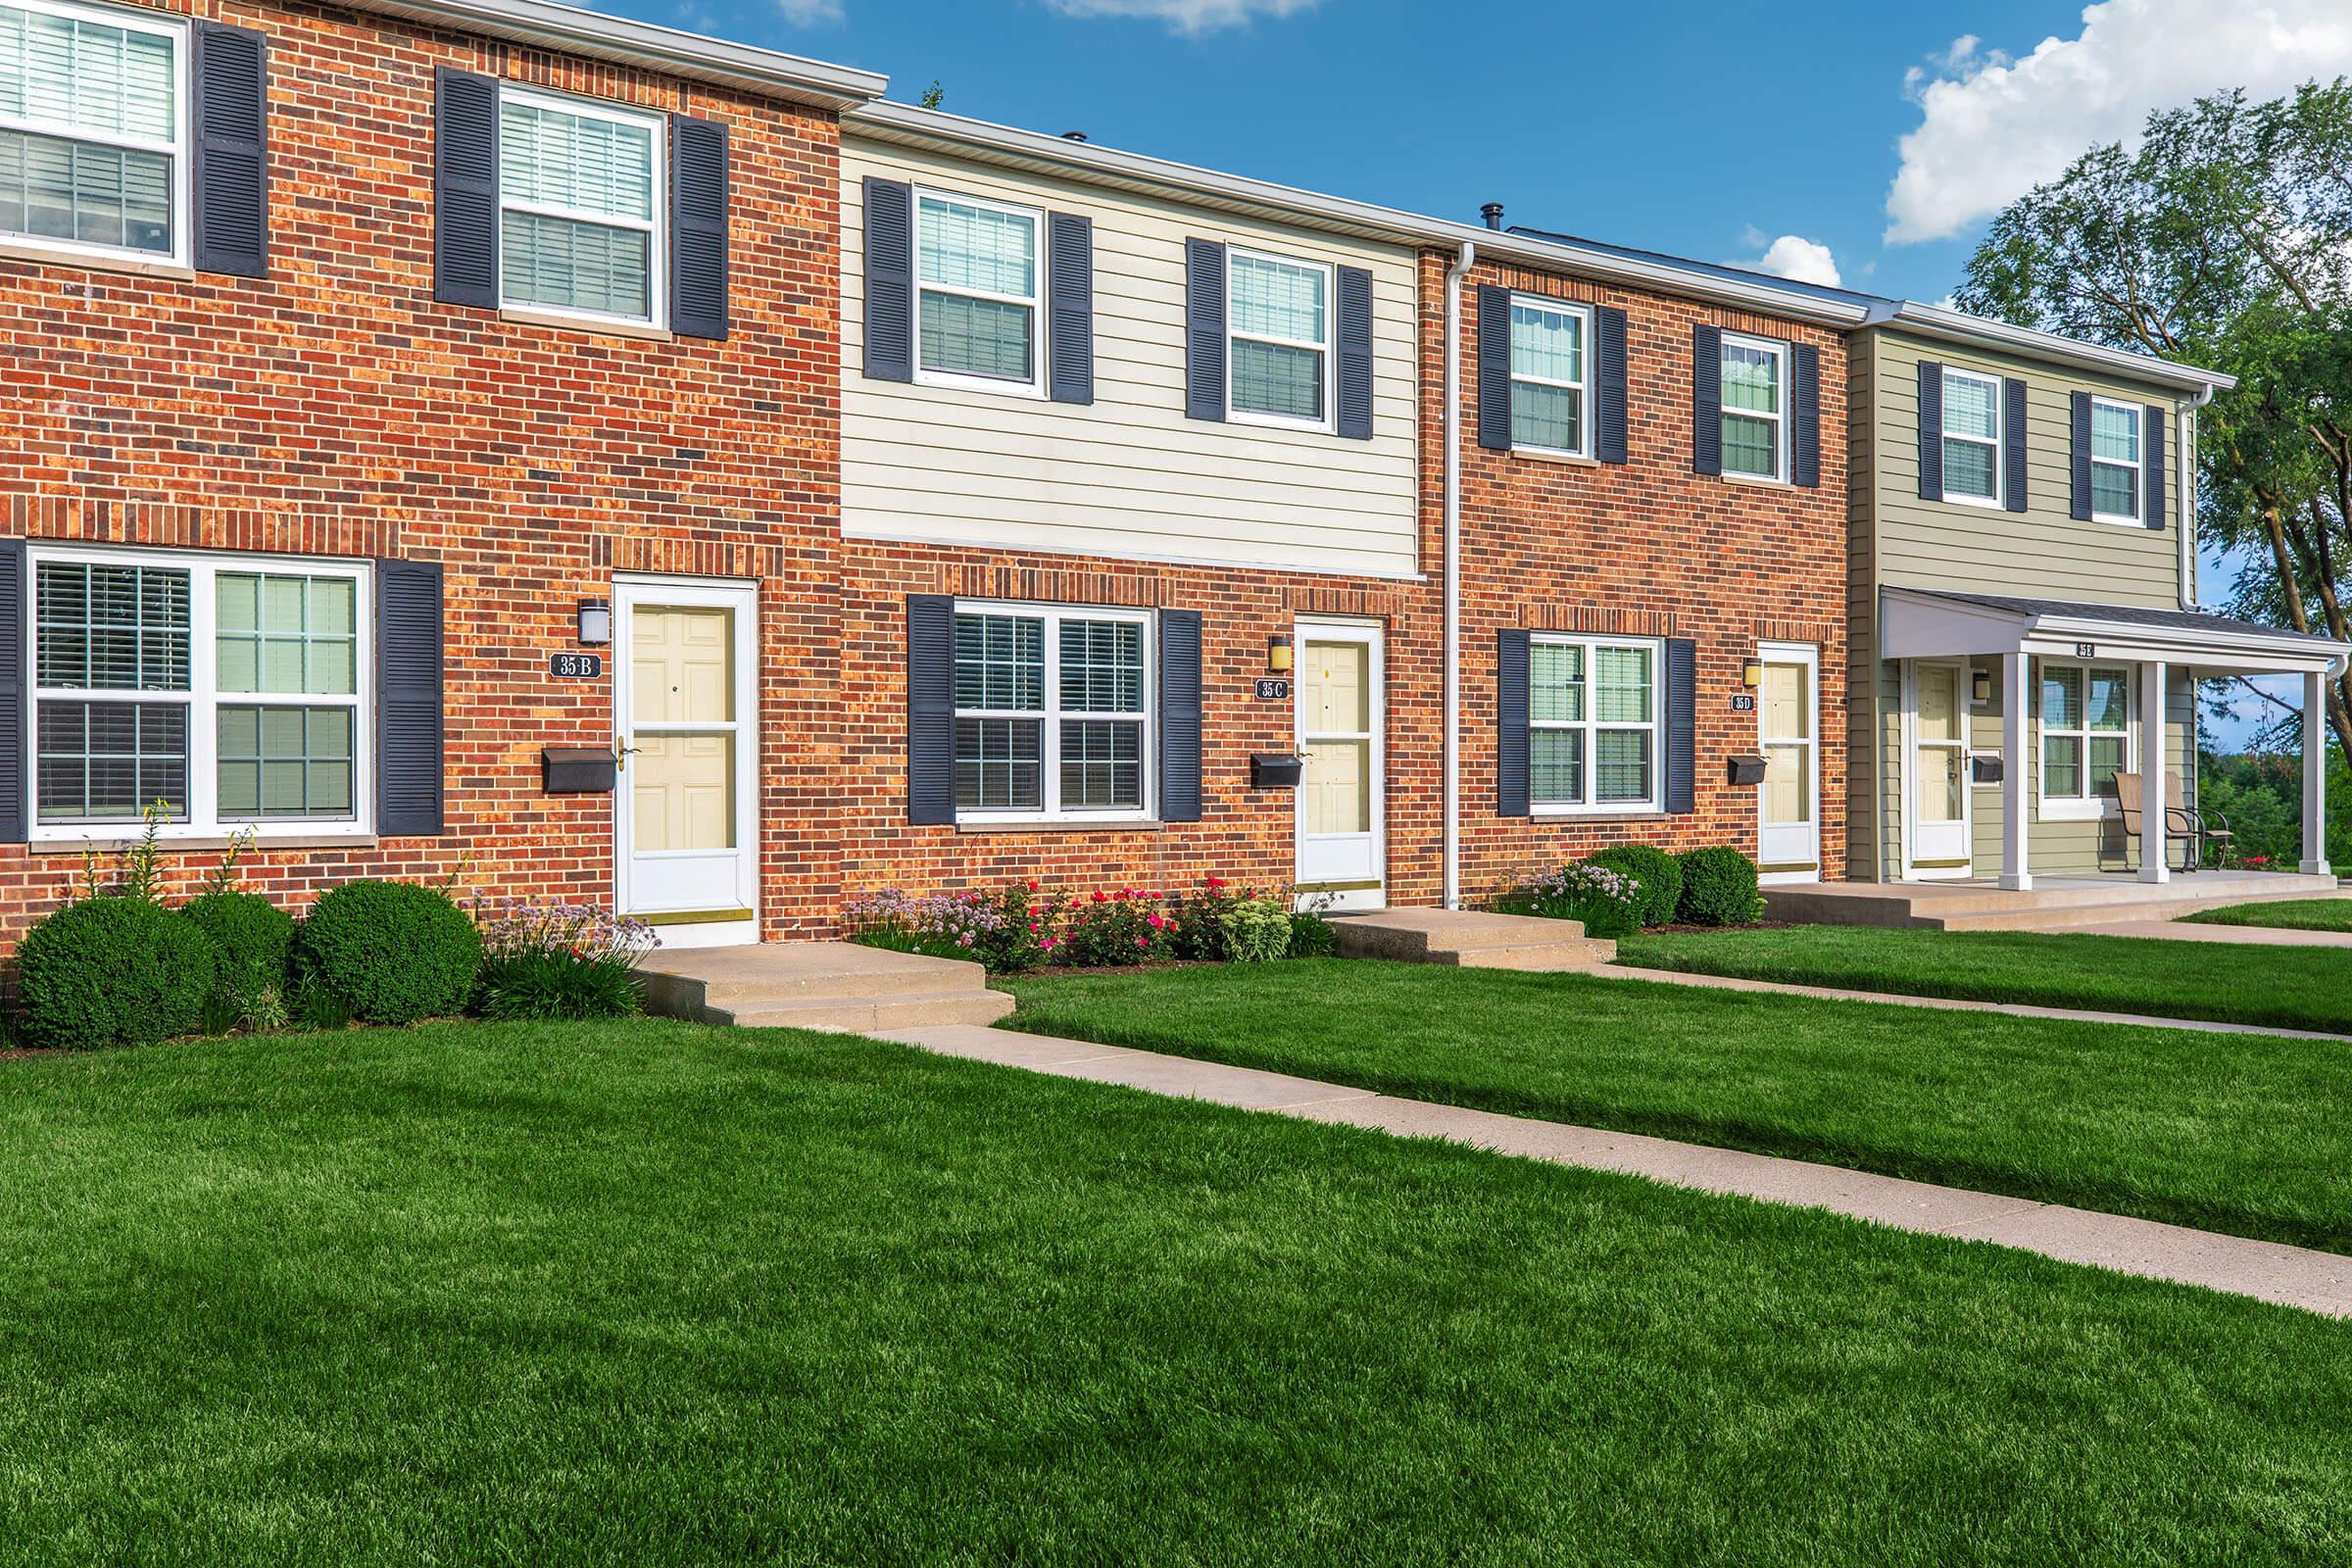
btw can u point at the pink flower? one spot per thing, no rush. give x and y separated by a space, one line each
1155 921
1142 942
1033 923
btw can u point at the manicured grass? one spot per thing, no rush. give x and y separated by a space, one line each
2291 914
2240 1133
2276 988
653 1294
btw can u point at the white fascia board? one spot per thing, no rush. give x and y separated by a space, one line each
1954 326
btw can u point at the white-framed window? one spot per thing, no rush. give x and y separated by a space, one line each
581 229
2087 735
1053 713
979 292
2117 493
1552 375
1593 725
1972 437
1277 353
232 689
1755 407
93 129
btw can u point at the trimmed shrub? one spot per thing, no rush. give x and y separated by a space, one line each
1659 874
1312 936
254 937
114 972
1719 888
388 953
1257 928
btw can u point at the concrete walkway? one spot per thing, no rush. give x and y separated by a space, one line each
2289 1276
2252 936
1897 998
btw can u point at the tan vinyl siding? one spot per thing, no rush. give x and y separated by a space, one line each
1864 702
1128 475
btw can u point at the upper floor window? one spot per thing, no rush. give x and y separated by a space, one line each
1279 326
1550 377
978 286
1052 708
2085 734
2115 461
580 220
1755 407
93 145
1593 725
1972 437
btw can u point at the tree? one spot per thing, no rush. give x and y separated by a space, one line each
2226 240
933 95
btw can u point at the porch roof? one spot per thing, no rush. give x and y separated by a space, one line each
1926 624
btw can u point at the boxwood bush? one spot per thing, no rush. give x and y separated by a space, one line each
253 938
1719 888
112 972
386 953
1659 874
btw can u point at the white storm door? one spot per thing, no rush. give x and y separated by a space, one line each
685 716
1787 733
1937 769
1340 855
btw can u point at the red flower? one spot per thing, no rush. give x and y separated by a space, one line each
1154 922
1142 942
1033 887
1216 881
1101 897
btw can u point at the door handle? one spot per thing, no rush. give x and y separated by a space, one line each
622 754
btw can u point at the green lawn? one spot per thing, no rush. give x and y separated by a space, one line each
2291 914
650 1293
2240 1133
2278 988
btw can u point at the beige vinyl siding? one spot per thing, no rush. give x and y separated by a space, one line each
1129 476
1865 812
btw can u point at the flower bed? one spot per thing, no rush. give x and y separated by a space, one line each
1027 925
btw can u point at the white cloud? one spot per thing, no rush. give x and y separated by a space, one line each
1190 17
1991 127
1793 256
809 12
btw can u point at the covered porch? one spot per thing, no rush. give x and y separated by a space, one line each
2020 730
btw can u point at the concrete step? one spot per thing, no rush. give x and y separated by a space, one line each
1950 908
1470 939
2065 917
865 1014
819 985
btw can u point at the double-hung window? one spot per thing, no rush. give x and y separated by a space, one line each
2115 461
1755 407
580 219
1593 725
1972 437
1279 353
229 690
2086 735
1550 377
1053 713
93 140
978 290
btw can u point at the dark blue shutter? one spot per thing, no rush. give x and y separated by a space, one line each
1707 399
2081 455
1494 368
1069 308
231 176
930 709
2013 445
1180 715
1203 329
2155 437
1608 354
14 718
464 189
698 227
890 282
1356 354
1930 430
1805 438
410 742
1510 723
1681 725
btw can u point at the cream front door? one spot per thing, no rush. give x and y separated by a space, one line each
1340 854
1787 733
1939 794
684 715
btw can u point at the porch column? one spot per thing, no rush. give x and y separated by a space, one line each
2015 873
2314 776
2155 812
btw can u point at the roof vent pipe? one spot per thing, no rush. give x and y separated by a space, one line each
1493 213
1073 135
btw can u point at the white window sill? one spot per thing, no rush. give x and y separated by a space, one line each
19 248
1981 503
566 322
2065 811
985 385
2118 522
1276 421
199 843
1644 813
1766 480
1064 824
1571 460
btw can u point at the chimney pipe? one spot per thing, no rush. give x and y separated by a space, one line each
1493 213
1073 135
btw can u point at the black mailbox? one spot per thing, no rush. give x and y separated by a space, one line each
1747 769
577 769
1275 770
1985 768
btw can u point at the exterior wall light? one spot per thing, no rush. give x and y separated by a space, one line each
1278 653
1980 685
596 623
1752 673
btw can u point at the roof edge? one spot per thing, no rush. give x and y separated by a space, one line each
1956 326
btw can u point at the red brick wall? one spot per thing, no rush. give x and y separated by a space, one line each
335 408
1645 548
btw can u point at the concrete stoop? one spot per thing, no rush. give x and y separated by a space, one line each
1470 939
818 985
1963 907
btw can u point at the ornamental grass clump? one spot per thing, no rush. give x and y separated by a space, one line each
1607 903
546 959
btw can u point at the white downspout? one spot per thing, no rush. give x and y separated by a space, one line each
1453 616
2185 486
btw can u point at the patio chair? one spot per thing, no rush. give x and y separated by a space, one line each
2179 826
2211 827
